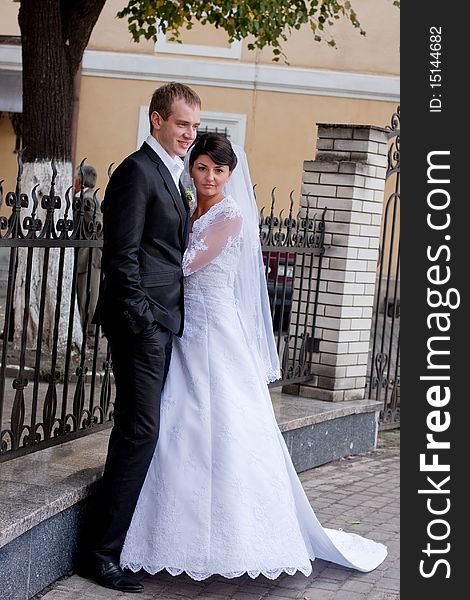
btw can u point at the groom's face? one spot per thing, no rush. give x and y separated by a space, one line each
178 132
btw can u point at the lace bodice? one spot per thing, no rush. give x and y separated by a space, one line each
214 247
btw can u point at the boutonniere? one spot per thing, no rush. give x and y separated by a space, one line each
188 194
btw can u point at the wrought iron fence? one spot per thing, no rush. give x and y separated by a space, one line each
384 356
49 392
293 249
55 384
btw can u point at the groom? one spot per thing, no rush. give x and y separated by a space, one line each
145 220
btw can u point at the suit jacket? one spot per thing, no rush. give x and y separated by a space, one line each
92 206
145 224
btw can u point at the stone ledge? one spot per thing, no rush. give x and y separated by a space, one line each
318 411
38 486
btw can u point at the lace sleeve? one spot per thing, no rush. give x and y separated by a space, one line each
209 241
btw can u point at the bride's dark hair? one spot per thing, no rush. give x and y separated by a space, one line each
217 147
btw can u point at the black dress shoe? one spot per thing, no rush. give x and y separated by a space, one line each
110 575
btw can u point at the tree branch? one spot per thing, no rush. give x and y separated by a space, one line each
78 19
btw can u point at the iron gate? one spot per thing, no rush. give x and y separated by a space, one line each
383 382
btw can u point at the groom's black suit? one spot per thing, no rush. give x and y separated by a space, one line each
145 220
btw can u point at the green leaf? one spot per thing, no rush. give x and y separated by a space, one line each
267 22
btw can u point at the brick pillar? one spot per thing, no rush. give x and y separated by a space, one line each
347 177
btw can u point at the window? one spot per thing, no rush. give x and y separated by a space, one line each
232 125
216 50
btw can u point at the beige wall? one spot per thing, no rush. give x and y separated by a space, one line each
377 52
8 160
204 34
280 134
9 18
285 135
281 128
112 34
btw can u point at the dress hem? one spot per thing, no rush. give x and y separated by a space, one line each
197 576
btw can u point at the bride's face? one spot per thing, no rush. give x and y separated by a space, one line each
209 177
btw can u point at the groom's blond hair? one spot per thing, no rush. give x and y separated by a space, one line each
164 96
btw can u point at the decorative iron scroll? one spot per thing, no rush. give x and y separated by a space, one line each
63 222
52 394
293 247
305 230
393 158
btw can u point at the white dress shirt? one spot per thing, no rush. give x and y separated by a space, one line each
174 165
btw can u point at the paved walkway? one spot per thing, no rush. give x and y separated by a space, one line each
359 494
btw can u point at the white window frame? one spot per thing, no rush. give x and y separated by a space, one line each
143 128
234 51
234 123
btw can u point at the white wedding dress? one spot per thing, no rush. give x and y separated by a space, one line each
221 495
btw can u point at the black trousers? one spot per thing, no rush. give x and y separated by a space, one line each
140 367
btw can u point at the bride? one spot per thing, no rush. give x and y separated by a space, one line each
221 495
